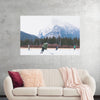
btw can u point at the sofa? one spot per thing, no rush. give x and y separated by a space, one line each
54 89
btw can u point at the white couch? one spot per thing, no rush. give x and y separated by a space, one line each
54 87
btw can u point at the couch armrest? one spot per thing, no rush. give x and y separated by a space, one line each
8 87
88 80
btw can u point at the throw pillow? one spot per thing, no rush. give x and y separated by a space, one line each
32 78
16 79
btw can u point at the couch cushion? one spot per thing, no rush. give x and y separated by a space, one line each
22 91
50 91
70 92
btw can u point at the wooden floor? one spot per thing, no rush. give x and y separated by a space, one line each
3 98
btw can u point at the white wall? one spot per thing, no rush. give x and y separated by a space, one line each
10 12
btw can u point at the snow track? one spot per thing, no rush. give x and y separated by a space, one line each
53 51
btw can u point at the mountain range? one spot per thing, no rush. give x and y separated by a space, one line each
56 31
24 36
68 31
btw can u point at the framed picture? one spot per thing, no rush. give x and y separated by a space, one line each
49 35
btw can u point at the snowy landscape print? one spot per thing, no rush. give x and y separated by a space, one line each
49 35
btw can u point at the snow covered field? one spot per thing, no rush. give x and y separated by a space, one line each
49 51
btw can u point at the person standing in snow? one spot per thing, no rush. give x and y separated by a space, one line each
28 47
44 47
74 47
57 47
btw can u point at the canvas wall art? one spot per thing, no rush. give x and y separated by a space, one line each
49 35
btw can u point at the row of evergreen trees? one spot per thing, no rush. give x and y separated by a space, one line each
59 41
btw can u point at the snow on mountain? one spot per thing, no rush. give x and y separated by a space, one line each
67 30
40 35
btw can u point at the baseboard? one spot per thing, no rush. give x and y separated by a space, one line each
2 96
96 96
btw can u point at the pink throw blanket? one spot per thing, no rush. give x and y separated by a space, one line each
72 80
